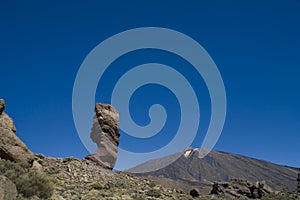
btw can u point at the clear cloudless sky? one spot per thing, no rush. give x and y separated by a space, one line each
255 45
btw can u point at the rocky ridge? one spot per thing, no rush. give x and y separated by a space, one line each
11 147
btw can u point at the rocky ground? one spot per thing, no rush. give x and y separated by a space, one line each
72 178
84 179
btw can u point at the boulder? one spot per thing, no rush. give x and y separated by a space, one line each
194 193
11 147
241 188
8 190
37 166
105 133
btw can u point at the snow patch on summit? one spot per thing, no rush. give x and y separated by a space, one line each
187 153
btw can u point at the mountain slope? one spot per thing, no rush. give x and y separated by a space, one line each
220 166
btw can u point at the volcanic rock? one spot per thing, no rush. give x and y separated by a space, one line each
105 133
8 190
241 188
11 147
194 193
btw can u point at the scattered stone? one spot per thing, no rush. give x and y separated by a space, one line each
8 190
194 193
241 188
105 133
37 166
84 179
126 197
56 197
11 147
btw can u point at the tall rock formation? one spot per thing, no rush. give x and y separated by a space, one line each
11 147
105 133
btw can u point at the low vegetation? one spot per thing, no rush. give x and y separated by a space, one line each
28 181
153 193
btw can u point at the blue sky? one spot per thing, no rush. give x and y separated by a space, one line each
255 45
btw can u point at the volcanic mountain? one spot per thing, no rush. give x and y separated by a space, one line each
191 171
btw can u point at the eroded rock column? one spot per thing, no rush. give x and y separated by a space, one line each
105 133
